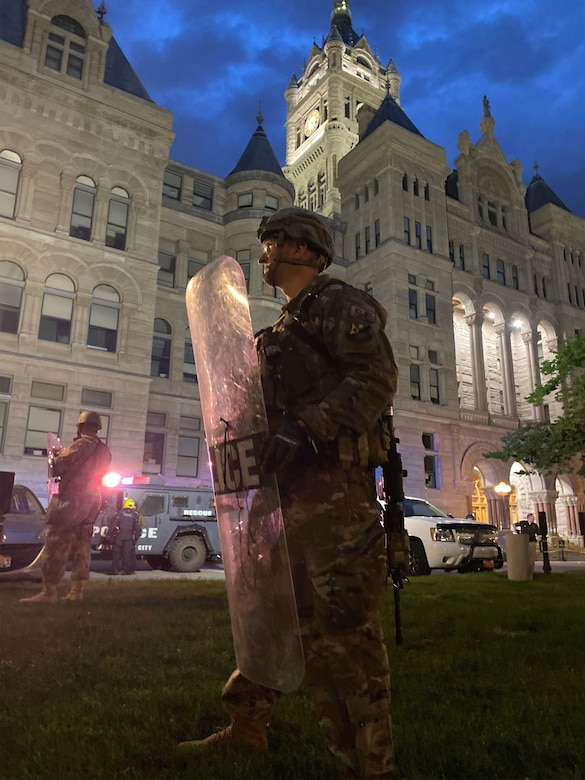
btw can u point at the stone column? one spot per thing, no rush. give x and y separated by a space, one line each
532 360
503 333
475 322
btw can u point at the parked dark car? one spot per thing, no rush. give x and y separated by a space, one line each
23 532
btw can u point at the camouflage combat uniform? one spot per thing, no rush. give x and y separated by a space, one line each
327 362
81 467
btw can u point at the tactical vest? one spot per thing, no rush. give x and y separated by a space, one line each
297 370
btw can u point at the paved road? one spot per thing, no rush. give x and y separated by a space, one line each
100 571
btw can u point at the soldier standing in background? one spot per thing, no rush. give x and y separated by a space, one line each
72 511
328 374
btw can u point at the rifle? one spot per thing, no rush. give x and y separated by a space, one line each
397 546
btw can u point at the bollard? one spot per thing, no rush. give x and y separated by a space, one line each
518 557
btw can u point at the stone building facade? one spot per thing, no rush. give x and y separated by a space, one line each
100 232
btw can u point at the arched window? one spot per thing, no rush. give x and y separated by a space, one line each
103 319
57 309
82 210
117 226
65 50
10 167
160 359
11 287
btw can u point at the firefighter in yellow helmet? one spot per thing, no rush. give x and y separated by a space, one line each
123 532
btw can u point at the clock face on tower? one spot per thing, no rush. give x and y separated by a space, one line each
312 122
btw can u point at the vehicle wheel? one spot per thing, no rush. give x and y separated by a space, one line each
188 553
419 565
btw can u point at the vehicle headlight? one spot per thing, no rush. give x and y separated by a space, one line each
465 537
442 535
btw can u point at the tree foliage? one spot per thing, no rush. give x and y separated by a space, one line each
554 447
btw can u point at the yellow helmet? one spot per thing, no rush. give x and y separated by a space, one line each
129 503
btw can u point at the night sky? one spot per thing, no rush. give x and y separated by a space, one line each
213 63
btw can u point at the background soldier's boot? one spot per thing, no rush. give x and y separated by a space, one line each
76 592
48 595
241 733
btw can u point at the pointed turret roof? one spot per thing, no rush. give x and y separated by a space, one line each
390 111
538 194
258 154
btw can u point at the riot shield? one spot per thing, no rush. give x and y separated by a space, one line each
257 571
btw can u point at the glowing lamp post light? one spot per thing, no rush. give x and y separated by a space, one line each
503 490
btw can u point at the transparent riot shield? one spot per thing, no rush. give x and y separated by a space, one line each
257 571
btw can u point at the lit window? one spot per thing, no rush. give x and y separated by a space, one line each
10 167
57 309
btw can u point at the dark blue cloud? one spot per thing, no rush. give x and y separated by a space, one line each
213 63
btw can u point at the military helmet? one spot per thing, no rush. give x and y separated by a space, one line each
129 503
90 418
303 226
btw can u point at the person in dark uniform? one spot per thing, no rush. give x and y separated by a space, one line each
328 375
123 532
72 511
530 527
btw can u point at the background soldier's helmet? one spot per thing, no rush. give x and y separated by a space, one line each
300 225
129 503
90 418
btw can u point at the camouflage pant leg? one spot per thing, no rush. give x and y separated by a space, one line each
340 582
81 553
247 700
63 544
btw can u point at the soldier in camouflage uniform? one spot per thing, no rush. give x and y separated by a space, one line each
328 373
72 512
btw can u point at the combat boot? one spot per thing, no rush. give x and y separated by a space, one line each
48 595
241 734
76 591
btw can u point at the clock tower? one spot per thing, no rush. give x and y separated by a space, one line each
338 92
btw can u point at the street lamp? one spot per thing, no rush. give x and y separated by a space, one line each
503 490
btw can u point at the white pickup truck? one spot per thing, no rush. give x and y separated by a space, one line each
438 541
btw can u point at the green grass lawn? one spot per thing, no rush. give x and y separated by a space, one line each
489 683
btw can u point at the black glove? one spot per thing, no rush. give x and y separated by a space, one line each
291 442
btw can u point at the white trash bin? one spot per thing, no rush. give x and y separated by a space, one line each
518 557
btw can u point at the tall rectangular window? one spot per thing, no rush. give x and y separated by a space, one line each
188 447
56 316
41 420
172 185
500 272
452 251
417 235
407 230
367 239
415 381
166 273
435 393
431 471
462 257
429 239
357 246
243 256
202 195
431 311
10 167
154 443
117 225
515 277
412 304
189 370
377 232
485 266
82 210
